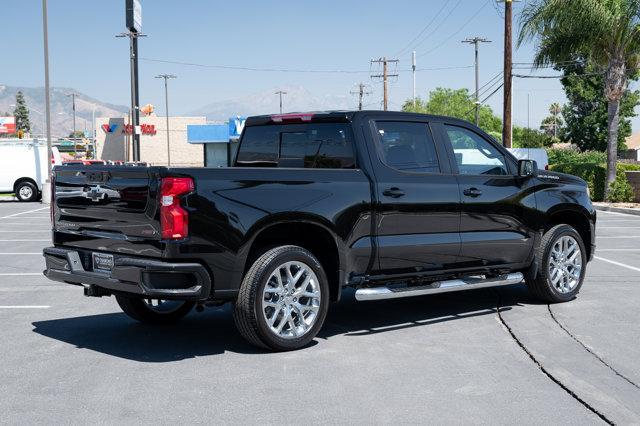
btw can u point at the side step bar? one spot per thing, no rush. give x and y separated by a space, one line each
467 283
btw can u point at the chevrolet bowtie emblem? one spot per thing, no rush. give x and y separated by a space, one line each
95 193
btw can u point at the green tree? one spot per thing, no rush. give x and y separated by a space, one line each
604 31
586 114
21 113
530 138
455 103
78 134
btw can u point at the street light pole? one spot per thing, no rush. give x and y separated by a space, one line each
73 103
166 105
46 189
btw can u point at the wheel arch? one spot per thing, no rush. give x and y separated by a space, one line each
25 179
308 233
576 218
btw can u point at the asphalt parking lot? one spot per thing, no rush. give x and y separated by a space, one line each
481 356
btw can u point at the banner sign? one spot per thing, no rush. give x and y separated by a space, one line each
7 124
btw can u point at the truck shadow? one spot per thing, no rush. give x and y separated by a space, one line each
212 332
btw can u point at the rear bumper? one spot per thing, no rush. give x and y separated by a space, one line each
137 276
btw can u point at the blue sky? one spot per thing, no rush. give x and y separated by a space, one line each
309 35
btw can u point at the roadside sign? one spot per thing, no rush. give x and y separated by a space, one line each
7 125
134 15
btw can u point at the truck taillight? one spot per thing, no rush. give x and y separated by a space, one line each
174 220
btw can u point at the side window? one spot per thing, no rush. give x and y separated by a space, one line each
319 146
259 145
474 155
407 146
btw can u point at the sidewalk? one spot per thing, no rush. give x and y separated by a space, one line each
628 208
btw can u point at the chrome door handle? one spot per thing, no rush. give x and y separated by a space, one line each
393 192
472 192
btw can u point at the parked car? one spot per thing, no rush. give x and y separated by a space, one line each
539 155
390 204
23 168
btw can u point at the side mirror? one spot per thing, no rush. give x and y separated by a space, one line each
527 168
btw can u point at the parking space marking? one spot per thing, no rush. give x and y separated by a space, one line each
13 254
618 227
615 213
25 232
613 262
21 213
18 241
18 274
620 236
618 249
25 307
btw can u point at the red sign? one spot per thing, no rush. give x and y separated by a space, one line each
7 124
145 129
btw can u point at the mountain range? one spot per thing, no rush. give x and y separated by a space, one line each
297 98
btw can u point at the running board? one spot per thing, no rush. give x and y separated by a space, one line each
467 283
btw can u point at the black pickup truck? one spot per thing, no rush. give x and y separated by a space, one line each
390 204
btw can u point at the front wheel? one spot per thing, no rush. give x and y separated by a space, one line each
26 191
154 311
283 299
562 262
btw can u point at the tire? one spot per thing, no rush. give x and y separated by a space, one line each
266 303
141 310
26 191
546 285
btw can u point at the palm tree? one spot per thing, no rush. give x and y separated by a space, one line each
606 32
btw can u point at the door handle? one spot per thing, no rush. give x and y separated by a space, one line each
393 192
472 192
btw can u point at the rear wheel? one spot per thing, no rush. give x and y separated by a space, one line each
26 191
283 299
562 262
154 311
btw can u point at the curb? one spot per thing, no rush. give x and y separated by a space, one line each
633 212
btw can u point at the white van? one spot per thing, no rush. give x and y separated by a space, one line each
23 167
539 155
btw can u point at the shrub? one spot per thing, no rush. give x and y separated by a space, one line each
620 190
564 156
595 174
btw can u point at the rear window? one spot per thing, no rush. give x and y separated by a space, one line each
322 145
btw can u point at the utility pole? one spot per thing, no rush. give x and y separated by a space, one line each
166 106
361 94
413 69
280 93
46 189
476 41
508 77
385 77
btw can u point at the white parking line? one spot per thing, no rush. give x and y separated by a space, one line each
618 227
618 249
615 213
613 262
13 254
21 213
24 232
621 236
18 241
21 274
25 307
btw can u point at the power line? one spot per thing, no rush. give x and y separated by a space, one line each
557 76
404 49
293 70
442 22
443 42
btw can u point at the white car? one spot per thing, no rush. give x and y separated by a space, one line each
23 167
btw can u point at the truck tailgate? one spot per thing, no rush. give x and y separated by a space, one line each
107 208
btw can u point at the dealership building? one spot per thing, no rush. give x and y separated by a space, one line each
193 142
113 140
